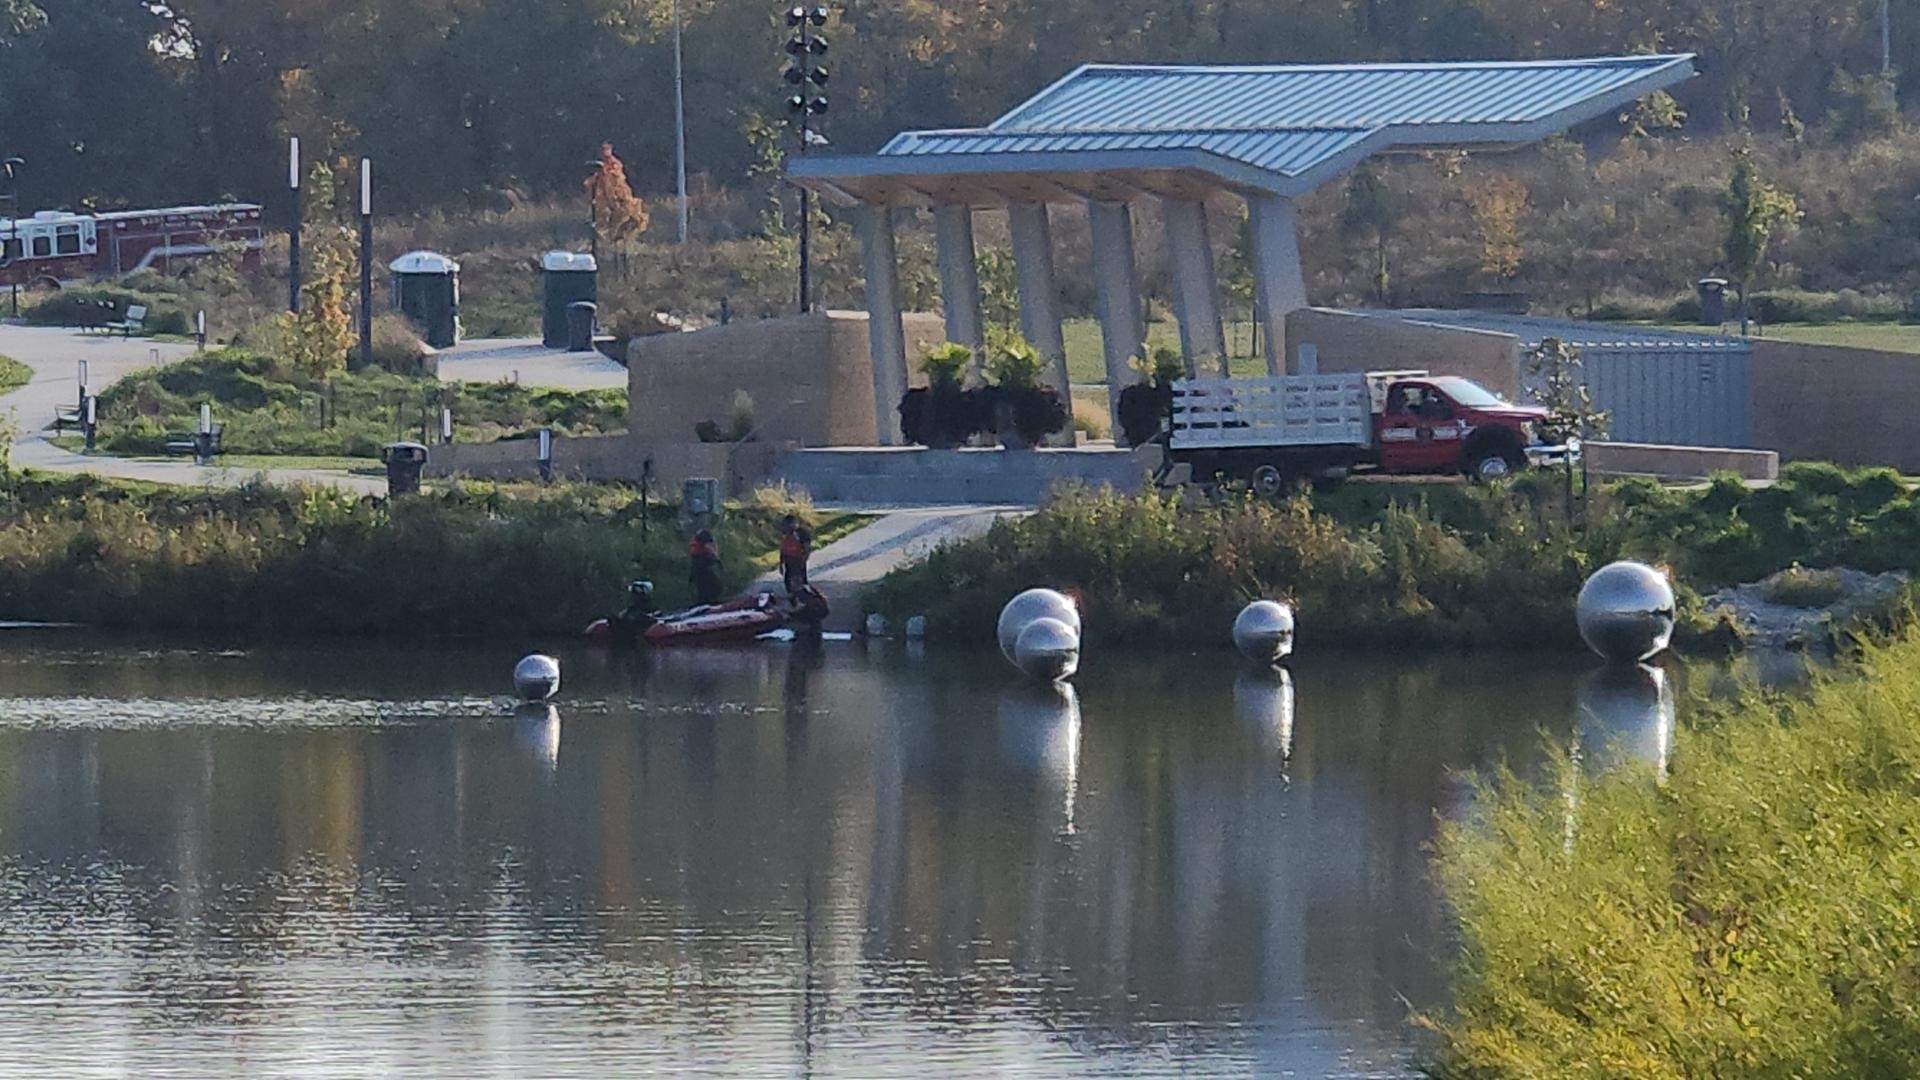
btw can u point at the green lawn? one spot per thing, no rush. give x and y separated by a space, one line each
1887 336
336 463
14 374
1086 362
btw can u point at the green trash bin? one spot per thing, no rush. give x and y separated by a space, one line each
569 278
426 289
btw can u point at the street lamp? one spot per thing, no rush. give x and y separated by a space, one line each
366 262
679 121
807 78
10 170
293 232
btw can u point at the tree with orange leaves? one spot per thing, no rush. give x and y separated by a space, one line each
619 217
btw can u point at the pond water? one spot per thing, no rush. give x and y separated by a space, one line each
826 862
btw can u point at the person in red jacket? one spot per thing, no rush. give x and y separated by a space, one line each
703 559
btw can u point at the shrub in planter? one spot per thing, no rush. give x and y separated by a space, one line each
941 415
1144 407
1021 411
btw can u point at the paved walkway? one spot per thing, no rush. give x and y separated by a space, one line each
846 567
526 361
55 355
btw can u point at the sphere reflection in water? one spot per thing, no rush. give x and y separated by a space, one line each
1263 632
1048 650
1263 702
1626 612
1039 729
536 678
536 729
1034 604
1626 718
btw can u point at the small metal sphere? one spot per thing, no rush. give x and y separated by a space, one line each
1048 650
536 678
1263 632
1626 612
1035 604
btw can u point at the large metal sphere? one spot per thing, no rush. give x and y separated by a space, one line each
1048 650
1030 605
536 678
1626 718
1263 703
1263 632
1626 612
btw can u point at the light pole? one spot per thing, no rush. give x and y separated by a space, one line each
680 120
293 233
10 168
366 262
807 75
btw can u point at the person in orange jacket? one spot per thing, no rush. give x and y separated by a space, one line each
796 547
703 559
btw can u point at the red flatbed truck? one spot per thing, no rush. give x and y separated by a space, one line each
1273 433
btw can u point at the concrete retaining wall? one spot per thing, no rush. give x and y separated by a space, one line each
810 378
1828 403
913 476
1678 462
613 459
1350 342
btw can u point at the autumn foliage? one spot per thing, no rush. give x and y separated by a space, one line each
619 217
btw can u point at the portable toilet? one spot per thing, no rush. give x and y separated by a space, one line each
569 278
426 289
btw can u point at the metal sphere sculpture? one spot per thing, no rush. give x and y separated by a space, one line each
1626 612
1263 632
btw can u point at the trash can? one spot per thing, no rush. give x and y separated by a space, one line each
426 289
583 318
405 461
568 278
1713 301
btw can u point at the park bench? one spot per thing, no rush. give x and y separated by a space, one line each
136 320
185 446
68 418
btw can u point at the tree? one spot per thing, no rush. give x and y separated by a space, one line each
1558 375
999 288
1497 205
619 217
316 341
1754 209
1370 212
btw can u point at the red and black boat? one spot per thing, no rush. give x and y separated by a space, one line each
735 621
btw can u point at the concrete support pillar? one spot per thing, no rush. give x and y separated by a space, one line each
886 330
960 279
1040 295
1123 326
1196 289
1279 286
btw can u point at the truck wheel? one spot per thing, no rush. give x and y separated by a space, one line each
1267 481
1497 465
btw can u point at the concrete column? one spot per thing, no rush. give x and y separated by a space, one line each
887 335
1123 326
1279 286
1040 295
1196 290
960 279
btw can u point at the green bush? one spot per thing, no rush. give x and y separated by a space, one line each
13 374
1753 916
470 560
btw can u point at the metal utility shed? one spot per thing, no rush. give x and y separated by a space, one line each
1671 387
1111 136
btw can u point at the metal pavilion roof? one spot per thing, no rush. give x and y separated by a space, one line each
1115 131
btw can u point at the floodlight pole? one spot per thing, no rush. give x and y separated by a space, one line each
293 231
1886 37
680 120
366 262
10 168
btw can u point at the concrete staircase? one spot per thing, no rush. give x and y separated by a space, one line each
915 476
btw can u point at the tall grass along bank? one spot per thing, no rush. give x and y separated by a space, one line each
1753 916
1426 563
473 559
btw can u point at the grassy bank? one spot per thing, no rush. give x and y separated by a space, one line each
13 374
1426 563
472 560
268 409
1753 916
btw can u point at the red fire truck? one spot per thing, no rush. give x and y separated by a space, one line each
55 248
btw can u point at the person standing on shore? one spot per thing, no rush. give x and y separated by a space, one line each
703 569
796 547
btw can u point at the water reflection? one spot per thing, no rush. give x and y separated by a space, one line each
1626 718
798 860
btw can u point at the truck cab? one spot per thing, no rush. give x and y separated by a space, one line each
1445 423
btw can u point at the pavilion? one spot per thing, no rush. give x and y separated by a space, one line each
1112 136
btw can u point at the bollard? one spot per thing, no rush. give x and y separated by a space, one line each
446 426
203 438
200 331
546 455
90 416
